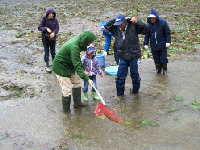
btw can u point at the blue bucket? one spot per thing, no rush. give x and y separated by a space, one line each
112 70
101 59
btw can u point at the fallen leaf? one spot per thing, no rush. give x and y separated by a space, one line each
127 122
178 98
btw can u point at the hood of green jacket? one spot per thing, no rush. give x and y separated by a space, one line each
85 38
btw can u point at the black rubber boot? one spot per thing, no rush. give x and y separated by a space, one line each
158 68
76 93
164 66
66 103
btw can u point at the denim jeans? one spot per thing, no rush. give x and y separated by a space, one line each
93 78
122 73
52 47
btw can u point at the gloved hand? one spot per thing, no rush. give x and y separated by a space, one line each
167 44
146 47
105 53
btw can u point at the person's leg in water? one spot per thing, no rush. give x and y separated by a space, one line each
65 84
121 76
164 60
85 90
94 94
156 58
134 71
76 91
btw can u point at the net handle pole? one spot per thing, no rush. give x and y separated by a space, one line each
99 95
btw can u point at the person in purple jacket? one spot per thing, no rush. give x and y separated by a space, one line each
49 23
91 64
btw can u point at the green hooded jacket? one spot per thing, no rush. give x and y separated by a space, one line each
68 59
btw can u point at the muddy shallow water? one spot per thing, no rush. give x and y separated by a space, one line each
39 123
31 114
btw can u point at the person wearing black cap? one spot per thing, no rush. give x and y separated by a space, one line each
126 32
160 39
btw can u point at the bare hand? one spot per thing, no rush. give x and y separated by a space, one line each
52 35
106 31
90 82
86 73
48 30
102 75
133 19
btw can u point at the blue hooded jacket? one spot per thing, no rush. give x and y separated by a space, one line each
159 32
107 37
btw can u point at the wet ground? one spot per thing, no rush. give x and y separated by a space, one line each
164 115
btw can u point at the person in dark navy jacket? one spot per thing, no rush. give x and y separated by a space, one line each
160 39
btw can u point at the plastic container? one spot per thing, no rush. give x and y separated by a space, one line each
101 59
112 70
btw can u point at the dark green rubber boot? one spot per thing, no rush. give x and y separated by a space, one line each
66 103
76 93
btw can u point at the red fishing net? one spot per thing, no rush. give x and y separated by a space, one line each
109 113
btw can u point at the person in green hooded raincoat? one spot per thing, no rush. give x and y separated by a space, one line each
69 69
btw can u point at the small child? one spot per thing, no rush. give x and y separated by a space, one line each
92 68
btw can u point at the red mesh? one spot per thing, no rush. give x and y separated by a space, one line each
109 113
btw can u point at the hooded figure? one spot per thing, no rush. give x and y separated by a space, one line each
49 26
51 23
160 39
66 63
159 32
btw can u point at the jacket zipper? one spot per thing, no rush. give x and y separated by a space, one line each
155 33
91 68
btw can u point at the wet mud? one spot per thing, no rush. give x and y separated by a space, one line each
164 115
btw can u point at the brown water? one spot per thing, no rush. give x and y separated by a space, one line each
31 114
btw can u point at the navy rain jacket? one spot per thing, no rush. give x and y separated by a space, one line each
159 33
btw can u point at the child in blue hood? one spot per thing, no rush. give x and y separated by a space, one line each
91 64
49 23
160 39
108 37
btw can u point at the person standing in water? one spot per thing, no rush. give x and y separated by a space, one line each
68 67
160 39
